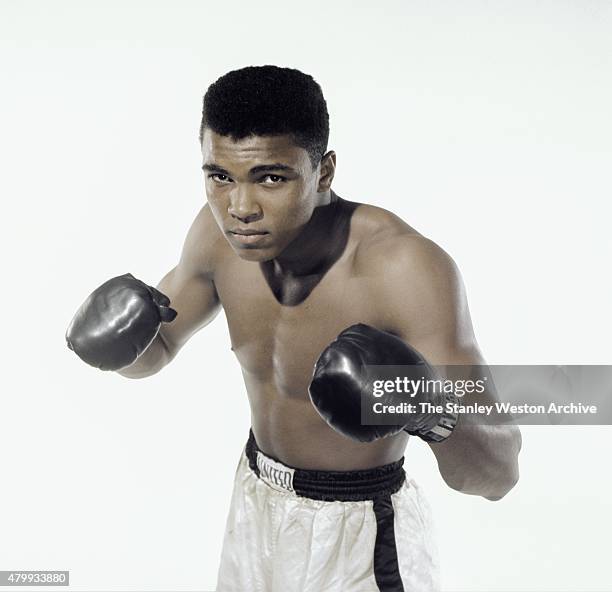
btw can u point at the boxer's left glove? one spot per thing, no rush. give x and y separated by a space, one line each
117 322
339 384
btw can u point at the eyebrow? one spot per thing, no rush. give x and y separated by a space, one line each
262 168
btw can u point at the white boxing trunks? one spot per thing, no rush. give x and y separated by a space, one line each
295 530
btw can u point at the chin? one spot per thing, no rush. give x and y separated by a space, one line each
255 255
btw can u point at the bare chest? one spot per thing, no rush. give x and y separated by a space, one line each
277 345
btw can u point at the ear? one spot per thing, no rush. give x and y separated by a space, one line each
328 169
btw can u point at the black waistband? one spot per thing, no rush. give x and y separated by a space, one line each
338 485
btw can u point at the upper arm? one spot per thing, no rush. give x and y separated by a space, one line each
424 298
425 304
190 284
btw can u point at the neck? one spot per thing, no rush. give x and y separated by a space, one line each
311 251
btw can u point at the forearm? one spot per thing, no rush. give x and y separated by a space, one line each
151 361
480 459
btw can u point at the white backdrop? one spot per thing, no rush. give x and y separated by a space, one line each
486 125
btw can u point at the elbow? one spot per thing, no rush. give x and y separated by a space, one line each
508 475
491 486
503 486
495 475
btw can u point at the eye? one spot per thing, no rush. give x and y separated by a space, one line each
272 179
219 178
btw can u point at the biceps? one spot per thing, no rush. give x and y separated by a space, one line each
445 349
460 362
195 299
441 331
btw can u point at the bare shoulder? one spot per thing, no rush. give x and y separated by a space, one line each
373 222
204 244
416 289
387 245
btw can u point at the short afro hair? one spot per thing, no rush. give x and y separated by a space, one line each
268 101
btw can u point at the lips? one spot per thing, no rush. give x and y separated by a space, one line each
247 232
247 237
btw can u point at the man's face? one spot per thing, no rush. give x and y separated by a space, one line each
262 191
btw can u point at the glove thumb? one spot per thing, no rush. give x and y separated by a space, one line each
166 313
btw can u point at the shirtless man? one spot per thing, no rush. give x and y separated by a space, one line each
294 265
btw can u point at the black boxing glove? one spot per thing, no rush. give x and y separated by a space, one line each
339 382
117 322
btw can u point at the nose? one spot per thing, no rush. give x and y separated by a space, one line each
242 205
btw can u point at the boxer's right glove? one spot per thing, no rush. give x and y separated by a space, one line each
117 322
